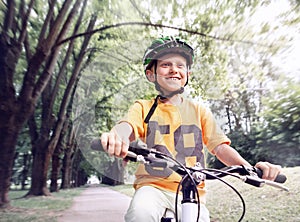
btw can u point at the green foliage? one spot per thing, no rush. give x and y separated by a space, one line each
252 73
279 137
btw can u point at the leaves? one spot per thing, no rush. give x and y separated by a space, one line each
279 132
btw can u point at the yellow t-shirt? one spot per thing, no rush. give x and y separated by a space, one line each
179 131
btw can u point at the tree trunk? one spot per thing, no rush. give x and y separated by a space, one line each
26 165
66 170
13 115
7 152
68 135
81 178
56 159
10 122
8 61
67 167
41 153
55 169
41 158
76 177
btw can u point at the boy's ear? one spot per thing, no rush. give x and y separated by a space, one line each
150 75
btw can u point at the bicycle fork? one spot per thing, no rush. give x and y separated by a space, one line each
190 208
190 205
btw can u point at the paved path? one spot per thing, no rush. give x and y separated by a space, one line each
97 204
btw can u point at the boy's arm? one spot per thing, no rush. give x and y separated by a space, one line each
230 156
116 142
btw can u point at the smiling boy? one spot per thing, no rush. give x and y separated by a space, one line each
173 125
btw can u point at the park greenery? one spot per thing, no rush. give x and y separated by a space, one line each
70 69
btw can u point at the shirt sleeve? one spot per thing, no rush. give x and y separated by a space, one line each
212 133
135 117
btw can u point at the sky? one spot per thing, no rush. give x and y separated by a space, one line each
288 60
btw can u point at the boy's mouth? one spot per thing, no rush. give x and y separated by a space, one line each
173 78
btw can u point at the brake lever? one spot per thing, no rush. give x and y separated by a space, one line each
258 182
252 176
276 185
256 172
131 156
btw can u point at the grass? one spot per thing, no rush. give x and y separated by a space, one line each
262 204
266 204
38 209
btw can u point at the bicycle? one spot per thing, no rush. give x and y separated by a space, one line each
192 176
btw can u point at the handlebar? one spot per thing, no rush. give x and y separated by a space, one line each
139 152
192 176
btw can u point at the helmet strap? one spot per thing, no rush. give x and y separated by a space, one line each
152 109
154 105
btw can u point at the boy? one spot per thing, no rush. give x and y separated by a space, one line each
172 125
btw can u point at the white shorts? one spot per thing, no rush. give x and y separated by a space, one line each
149 204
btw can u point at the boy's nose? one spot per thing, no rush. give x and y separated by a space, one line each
174 67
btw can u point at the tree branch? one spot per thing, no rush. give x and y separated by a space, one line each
194 32
47 20
25 18
47 73
9 16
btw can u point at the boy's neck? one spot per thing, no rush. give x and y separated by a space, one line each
174 100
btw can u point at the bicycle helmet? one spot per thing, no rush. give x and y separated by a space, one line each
165 45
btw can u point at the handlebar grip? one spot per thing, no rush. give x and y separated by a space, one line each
281 178
96 145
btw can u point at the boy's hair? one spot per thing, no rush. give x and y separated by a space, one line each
166 45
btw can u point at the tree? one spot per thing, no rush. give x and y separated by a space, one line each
46 142
20 44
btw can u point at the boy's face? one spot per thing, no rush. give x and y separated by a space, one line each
171 72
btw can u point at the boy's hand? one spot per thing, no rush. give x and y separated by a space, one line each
113 144
270 171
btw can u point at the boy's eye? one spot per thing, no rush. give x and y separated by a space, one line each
166 64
